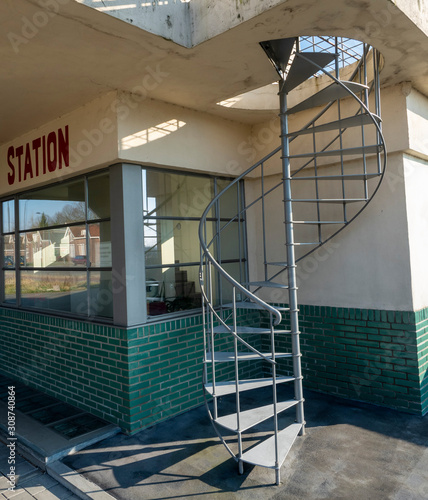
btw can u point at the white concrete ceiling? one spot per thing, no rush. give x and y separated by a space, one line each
77 53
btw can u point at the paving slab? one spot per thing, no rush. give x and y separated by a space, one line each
351 451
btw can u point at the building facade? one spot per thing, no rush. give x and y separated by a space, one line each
123 122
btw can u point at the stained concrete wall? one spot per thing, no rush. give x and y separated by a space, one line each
170 19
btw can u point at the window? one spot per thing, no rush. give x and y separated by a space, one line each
173 204
57 253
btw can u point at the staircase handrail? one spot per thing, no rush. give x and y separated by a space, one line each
204 245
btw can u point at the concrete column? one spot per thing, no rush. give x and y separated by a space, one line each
129 290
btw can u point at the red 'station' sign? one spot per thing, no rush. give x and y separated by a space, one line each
40 156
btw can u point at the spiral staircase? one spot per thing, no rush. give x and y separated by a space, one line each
323 175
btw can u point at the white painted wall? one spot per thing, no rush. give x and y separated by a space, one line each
131 128
161 134
417 115
365 266
265 136
92 137
416 182
368 264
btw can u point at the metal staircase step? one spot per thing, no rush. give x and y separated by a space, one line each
229 387
372 149
328 94
264 453
351 121
345 177
301 69
318 222
279 52
250 418
246 330
267 284
280 264
227 357
251 305
331 200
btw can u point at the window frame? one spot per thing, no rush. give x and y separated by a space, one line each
18 234
215 219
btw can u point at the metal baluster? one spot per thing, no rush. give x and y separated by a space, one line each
264 222
291 261
238 404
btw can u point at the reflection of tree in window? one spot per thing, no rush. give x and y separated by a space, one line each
64 247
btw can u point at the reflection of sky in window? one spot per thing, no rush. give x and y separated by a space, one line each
149 208
150 232
8 216
30 211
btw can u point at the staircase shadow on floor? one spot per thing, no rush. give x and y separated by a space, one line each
183 458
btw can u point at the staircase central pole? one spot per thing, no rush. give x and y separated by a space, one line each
291 259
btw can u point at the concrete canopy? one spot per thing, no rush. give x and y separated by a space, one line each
59 54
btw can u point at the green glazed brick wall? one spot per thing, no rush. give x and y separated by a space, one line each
136 377
422 346
165 368
78 362
131 377
367 355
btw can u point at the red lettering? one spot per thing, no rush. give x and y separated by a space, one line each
11 174
19 151
28 168
52 152
39 156
63 148
44 154
36 146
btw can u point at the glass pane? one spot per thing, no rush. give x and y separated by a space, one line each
57 247
59 204
100 244
170 194
9 251
8 216
172 241
229 239
172 289
237 271
100 294
55 290
228 202
99 196
10 287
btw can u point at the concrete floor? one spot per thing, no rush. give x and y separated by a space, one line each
351 451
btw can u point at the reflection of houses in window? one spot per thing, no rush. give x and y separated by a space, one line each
76 242
59 246
9 247
39 249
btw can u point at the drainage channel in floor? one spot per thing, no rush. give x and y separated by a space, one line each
65 419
